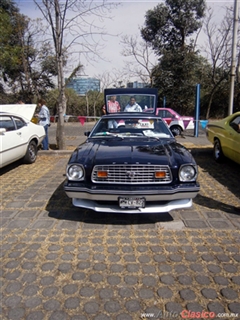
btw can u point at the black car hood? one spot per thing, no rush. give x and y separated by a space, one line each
132 151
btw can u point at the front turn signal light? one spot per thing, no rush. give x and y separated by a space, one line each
160 174
102 174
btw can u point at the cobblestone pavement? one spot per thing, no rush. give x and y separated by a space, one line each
60 262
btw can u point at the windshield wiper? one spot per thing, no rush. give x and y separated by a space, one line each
107 135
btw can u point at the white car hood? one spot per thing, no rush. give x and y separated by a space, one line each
24 110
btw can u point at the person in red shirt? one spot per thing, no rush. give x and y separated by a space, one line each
113 105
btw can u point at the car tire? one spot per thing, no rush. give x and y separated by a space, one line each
217 151
176 130
31 153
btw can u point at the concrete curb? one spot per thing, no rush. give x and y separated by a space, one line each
54 152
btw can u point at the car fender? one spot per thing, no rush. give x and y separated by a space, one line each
176 122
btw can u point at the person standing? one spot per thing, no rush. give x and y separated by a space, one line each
113 105
133 106
44 120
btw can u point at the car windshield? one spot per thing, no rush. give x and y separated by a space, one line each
131 127
130 102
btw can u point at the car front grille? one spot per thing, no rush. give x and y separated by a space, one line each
131 174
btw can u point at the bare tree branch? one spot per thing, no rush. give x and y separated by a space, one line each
72 23
218 49
142 57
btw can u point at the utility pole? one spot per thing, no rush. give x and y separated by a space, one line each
233 63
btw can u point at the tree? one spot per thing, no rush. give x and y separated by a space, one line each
142 64
169 29
9 42
218 51
176 77
71 24
26 67
168 26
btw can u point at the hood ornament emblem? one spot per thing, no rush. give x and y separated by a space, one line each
131 174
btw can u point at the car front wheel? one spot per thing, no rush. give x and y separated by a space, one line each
176 130
31 153
217 149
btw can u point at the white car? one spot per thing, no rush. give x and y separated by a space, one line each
175 122
19 137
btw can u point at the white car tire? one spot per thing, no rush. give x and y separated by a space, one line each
176 130
217 151
31 153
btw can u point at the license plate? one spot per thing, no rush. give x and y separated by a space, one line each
131 202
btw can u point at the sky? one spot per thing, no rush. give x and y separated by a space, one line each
126 19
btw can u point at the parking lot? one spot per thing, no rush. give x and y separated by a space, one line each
60 262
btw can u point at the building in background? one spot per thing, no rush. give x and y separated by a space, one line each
82 85
137 84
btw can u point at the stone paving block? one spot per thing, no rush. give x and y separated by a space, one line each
171 225
59 261
209 293
189 214
16 204
36 204
18 223
3 222
234 307
220 224
71 225
213 214
43 224
27 214
9 214
187 294
173 307
236 223
216 307
198 224
229 293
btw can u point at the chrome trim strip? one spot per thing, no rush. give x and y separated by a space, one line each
149 197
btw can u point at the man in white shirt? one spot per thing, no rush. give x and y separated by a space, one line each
133 106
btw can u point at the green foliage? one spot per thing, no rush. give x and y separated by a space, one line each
76 105
168 29
176 77
9 41
19 54
168 25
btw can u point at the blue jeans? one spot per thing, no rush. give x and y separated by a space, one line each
45 140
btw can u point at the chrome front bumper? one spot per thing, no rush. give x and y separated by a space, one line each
166 207
156 201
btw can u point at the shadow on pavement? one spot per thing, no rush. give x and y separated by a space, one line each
11 166
60 207
226 173
217 205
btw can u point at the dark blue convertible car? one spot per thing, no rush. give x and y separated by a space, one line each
131 162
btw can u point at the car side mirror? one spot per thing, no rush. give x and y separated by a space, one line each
2 131
87 133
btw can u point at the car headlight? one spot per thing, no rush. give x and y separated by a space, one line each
188 173
75 172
